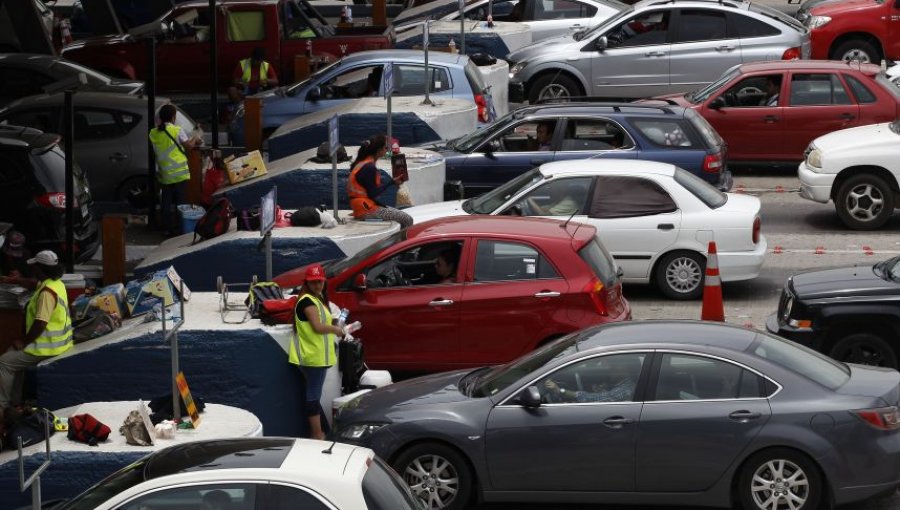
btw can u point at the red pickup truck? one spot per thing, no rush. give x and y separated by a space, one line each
282 27
863 30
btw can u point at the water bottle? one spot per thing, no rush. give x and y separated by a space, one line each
342 317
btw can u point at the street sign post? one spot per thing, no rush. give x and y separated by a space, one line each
462 27
332 150
388 92
428 78
266 223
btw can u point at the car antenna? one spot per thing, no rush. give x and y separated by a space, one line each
327 451
564 225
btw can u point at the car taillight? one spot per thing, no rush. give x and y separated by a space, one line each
712 163
756 225
884 418
481 103
599 295
791 54
54 200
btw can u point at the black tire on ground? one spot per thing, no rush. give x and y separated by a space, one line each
553 86
680 275
779 470
857 49
864 202
865 349
438 474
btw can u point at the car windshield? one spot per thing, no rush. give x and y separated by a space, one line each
468 142
701 189
65 68
291 90
701 95
338 266
116 483
802 360
499 378
606 24
492 200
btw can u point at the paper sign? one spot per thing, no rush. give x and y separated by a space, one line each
181 382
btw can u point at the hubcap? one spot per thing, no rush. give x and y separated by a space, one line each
864 202
779 484
857 55
433 479
554 91
683 275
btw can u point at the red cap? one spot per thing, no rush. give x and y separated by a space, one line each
315 272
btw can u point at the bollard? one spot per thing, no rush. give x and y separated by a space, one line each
113 228
195 185
253 123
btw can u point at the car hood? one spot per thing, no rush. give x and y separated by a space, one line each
843 282
858 138
437 389
543 48
427 212
832 8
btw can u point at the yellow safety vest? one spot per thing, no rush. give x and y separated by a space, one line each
315 350
247 70
172 162
57 338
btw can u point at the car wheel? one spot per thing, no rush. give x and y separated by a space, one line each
553 87
779 478
857 50
437 474
134 190
865 202
679 275
864 349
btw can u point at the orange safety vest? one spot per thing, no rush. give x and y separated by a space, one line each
359 200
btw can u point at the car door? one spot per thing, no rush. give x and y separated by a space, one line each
637 220
575 440
177 58
594 137
700 413
871 110
410 320
512 299
345 85
552 18
635 61
702 48
818 103
103 150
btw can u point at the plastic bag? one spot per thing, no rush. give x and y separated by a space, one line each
404 199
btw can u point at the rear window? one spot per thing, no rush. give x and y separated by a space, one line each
600 261
862 93
803 360
701 189
705 128
383 490
473 74
665 133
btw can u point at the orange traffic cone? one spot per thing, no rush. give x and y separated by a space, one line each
713 307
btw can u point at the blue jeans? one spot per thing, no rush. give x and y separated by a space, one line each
315 380
172 196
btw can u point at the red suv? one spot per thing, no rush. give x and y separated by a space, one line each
518 283
769 112
863 30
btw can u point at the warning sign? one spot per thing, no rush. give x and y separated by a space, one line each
182 384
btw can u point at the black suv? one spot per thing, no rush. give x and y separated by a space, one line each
851 313
33 193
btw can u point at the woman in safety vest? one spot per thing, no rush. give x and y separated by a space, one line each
365 184
170 144
315 342
48 325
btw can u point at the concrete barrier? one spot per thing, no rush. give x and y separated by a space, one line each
498 42
496 76
413 123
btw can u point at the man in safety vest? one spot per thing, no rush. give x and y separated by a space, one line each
170 144
48 325
252 75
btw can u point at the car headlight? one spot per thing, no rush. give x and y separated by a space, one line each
517 68
814 158
359 431
817 21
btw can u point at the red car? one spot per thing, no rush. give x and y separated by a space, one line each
519 283
864 30
769 112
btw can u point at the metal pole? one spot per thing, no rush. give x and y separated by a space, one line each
389 122
213 73
334 184
462 27
150 87
69 133
268 256
428 77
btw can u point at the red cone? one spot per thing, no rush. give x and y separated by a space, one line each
713 307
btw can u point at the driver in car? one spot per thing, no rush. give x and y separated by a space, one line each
620 389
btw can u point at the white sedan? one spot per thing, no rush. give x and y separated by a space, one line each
654 218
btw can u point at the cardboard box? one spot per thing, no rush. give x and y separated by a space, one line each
245 167
160 287
109 299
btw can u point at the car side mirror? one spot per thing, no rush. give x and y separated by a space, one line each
717 103
315 94
359 282
530 397
489 149
601 43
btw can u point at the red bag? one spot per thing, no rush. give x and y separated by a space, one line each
214 178
87 429
278 311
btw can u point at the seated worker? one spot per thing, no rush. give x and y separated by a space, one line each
446 264
543 140
251 76
365 185
563 201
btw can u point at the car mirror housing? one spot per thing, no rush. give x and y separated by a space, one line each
530 397
359 282
717 103
315 94
601 43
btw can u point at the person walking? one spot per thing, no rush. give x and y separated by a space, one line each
314 338
365 185
169 144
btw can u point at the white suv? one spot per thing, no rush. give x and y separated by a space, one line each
858 168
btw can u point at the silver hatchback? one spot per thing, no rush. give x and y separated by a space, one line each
656 47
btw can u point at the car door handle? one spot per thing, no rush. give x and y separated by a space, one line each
665 226
118 156
616 422
725 47
538 161
769 119
547 293
847 116
744 416
655 54
440 302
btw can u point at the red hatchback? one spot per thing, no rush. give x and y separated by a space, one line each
518 283
769 112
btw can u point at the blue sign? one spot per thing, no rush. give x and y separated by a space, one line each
388 80
333 135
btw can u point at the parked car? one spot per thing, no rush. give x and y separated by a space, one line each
33 193
655 219
655 47
509 147
264 472
652 412
25 74
769 112
858 169
848 313
864 31
360 75
518 284
110 135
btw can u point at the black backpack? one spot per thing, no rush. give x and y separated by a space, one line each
306 217
215 222
259 292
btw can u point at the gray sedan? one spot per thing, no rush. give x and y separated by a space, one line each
688 413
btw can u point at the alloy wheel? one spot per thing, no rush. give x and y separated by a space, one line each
683 274
864 202
554 91
856 55
779 484
433 479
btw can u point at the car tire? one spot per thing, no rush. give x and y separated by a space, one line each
865 202
864 349
779 468
679 275
134 191
857 50
555 87
429 469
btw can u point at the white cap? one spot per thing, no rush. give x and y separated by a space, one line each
46 257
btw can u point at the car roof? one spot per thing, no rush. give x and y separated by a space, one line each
587 107
607 166
690 3
812 65
415 56
502 226
26 138
96 99
672 333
